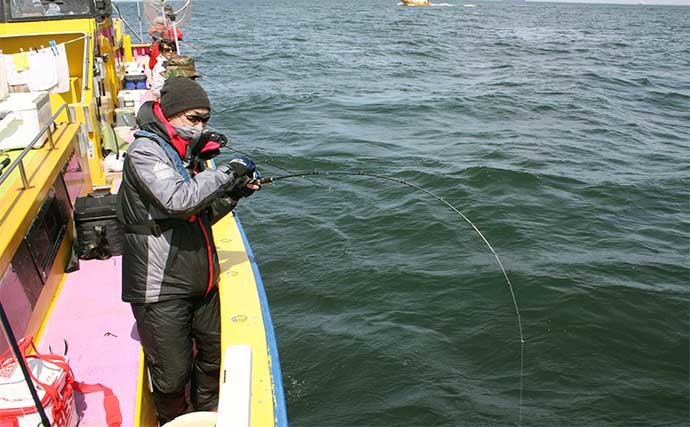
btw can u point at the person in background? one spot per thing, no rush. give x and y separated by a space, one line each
162 30
181 66
167 203
167 51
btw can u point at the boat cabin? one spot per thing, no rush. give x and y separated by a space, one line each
41 10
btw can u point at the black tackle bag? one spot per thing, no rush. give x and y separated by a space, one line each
99 234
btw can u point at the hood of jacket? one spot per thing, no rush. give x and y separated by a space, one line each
147 120
150 118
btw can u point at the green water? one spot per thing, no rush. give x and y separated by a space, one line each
561 130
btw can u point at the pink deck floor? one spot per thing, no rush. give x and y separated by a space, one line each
100 331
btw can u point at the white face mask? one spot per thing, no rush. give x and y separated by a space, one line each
192 135
189 133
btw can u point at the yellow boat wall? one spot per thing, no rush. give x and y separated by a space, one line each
21 206
246 321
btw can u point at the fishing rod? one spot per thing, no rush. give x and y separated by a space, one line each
270 179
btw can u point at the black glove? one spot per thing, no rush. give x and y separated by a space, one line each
208 145
241 189
240 167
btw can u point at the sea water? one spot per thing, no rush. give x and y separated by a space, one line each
561 130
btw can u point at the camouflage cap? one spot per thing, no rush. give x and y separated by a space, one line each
181 66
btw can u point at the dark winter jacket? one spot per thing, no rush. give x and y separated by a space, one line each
168 211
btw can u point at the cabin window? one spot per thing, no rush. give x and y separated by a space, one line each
33 9
46 233
20 288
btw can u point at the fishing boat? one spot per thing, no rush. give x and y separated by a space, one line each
415 2
67 96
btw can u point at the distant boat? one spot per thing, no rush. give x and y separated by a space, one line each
416 2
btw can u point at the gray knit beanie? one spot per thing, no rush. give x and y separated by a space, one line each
181 94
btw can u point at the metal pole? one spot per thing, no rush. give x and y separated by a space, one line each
50 138
11 340
85 70
177 44
22 172
141 32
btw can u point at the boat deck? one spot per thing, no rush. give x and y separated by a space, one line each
100 331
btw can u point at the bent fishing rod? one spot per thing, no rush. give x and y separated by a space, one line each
271 179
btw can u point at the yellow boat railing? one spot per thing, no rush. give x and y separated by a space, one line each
19 161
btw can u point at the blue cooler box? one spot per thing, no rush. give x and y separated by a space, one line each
133 82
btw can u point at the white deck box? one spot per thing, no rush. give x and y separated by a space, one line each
132 98
31 112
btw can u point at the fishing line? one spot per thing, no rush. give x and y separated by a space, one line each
271 179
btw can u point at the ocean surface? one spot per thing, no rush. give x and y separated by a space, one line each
562 131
